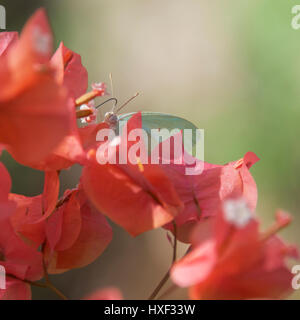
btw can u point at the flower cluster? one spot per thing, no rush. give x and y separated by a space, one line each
41 97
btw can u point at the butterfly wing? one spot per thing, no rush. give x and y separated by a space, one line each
157 120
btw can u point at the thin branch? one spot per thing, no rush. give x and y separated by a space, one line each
57 291
32 283
159 286
175 244
166 277
48 282
167 292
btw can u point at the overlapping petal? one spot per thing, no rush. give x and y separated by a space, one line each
18 258
203 193
137 197
234 260
30 216
15 290
77 234
6 41
35 111
70 71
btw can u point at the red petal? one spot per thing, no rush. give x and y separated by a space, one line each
129 199
29 210
5 183
29 218
245 264
35 45
51 191
71 72
196 266
15 290
68 152
95 235
34 122
64 225
146 196
54 228
21 260
6 40
202 194
35 114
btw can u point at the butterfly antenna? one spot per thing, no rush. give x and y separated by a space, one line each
110 99
111 84
112 91
129 100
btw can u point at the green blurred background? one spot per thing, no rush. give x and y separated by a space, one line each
233 68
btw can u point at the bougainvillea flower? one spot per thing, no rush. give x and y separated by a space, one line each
66 154
77 234
233 260
138 197
15 290
70 71
202 194
88 135
35 110
40 92
75 146
70 74
31 213
105 294
18 259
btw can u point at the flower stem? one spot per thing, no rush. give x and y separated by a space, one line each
48 283
57 291
175 244
159 286
167 292
166 277
32 283
36 284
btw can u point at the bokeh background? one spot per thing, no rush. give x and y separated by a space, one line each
231 67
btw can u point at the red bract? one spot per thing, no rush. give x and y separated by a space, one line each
203 193
73 149
137 197
6 40
35 111
18 259
66 154
30 216
76 234
105 294
70 74
70 71
15 290
231 259
5 184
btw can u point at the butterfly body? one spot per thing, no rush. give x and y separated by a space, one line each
111 119
164 125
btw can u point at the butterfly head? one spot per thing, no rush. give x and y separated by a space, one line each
111 119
